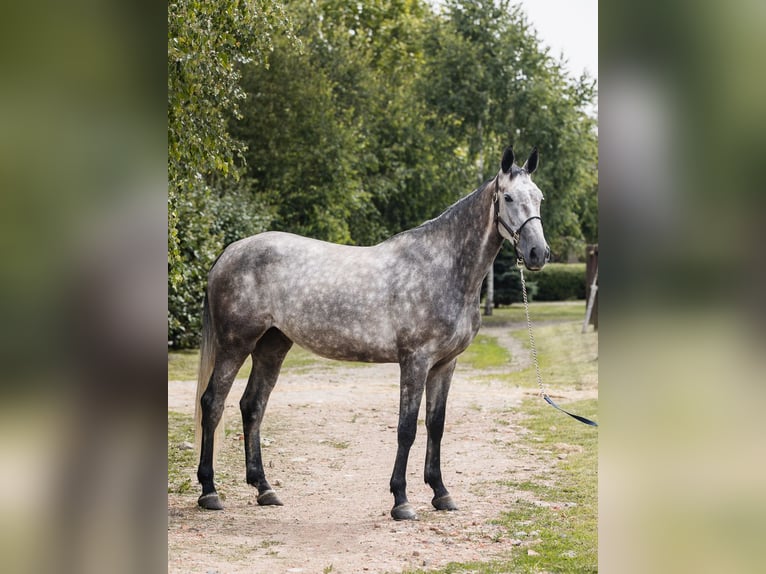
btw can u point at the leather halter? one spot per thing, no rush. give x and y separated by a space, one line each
515 235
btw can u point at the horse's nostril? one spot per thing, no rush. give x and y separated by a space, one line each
533 254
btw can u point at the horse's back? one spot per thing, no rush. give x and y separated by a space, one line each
330 298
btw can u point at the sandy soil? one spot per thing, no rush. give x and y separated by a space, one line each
329 445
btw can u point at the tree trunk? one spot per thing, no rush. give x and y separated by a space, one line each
489 302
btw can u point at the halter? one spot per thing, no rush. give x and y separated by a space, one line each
515 235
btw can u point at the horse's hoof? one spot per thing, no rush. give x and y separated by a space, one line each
210 501
444 503
404 511
269 498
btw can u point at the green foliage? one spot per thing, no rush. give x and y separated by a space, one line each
508 279
555 282
206 43
340 139
207 208
559 282
489 73
208 220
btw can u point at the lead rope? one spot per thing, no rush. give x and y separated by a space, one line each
543 394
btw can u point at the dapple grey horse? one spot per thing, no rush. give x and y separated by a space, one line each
412 299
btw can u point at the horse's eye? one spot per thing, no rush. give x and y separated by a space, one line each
508 198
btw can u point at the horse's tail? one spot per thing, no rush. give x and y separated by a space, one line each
206 362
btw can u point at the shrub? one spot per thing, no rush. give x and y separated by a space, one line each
559 282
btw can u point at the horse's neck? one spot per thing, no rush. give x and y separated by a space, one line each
468 232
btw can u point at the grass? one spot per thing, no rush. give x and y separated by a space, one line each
485 353
182 365
568 358
180 429
542 311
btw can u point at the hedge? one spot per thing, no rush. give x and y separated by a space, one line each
558 282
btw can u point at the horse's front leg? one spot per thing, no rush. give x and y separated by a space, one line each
437 389
413 378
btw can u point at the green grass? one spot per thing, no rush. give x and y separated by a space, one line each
568 521
539 312
182 365
180 429
568 358
484 352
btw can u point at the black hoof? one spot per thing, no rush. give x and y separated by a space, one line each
404 511
210 501
269 498
444 503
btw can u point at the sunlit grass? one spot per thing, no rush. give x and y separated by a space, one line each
542 311
484 352
568 358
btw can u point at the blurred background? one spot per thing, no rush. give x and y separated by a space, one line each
682 372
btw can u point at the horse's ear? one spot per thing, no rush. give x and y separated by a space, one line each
507 159
531 164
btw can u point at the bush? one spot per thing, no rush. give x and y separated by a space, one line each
559 282
208 220
555 282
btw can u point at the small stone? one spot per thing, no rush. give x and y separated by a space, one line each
185 445
531 552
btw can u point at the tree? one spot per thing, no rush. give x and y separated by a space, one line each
207 42
340 140
500 87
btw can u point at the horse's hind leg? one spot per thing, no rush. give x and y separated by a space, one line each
413 378
437 388
267 361
227 364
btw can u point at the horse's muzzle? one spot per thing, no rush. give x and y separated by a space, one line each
537 258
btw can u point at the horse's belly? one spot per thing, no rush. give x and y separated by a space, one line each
350 342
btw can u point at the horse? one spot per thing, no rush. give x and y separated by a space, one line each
412 299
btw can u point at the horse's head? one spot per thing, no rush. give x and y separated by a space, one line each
517 210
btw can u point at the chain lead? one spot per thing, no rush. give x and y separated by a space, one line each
529 329
533 349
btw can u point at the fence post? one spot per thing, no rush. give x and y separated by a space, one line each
591 285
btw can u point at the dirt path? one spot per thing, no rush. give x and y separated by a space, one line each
329 444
